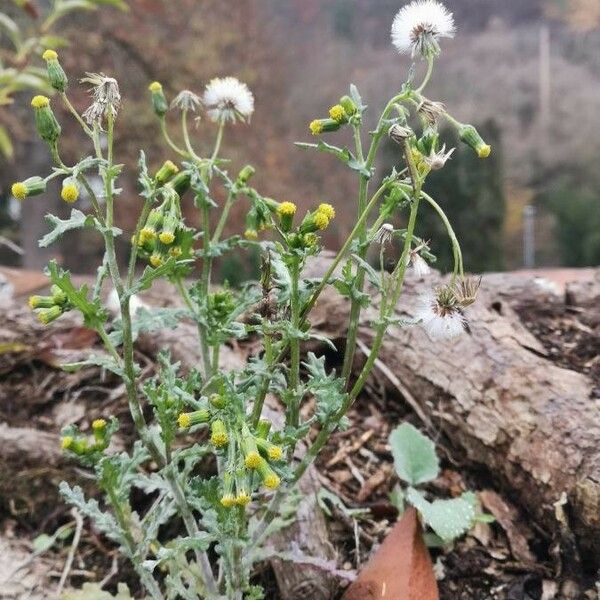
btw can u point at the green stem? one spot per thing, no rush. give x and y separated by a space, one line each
223 218
458 259
264 387
170 142
294 411
427 77
77 116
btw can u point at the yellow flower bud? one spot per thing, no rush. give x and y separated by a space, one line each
40 102
219 435
286 208
272 481
337 113
484 151
50 55
184 420
98 424
316 127
156 260
327 210
167 237
228 500
175 252
155 86
275 452
321 220
243 498
69 193
66 442
251 234
19 190
252 460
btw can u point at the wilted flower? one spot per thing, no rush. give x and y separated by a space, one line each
418 263
419 25
466 291
431 111
384 234
228 99
106 95
186 100
398 133
439 314
436 160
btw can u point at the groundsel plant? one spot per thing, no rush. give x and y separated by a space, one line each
188 421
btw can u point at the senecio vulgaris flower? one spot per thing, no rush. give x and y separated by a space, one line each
228 99
439 314
106 98
419 25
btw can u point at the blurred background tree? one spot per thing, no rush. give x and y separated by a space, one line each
533 74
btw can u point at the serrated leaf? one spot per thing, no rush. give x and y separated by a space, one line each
414 455
92 312
77 220
449 519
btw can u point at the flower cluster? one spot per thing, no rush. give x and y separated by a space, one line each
244 452
49 308
89 449
339 114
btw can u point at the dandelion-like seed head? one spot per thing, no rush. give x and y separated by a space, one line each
228 99
187 101
384 234
418 26
106 98
440 315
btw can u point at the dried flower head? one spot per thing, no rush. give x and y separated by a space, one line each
398 133
384 234
228 99
436 160
439 314
431 111
187 101
418 26
466 290
106 98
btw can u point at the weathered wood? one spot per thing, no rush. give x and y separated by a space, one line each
499 400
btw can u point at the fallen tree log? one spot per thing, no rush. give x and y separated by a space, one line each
534 426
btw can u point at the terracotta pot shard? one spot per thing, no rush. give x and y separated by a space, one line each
401 569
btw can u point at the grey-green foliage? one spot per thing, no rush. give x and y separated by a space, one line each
416 463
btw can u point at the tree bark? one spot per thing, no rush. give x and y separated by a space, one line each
498 398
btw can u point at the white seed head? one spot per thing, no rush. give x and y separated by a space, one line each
186 100
440 322
418 263
418 26
106 98
384 234
228 99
